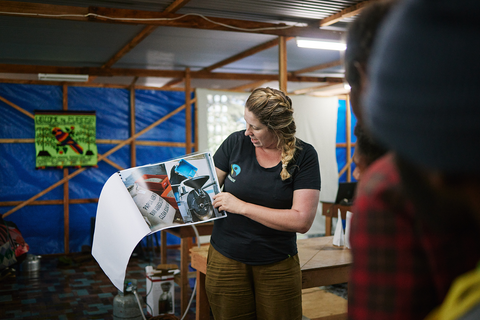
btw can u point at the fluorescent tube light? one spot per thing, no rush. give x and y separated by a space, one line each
63 77
320 44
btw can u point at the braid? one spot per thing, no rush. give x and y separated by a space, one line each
274 109
288 151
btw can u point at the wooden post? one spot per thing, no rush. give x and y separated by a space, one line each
195 122
348 126
133 149
66 196
282 64
188 113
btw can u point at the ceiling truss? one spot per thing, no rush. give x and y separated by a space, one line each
152 20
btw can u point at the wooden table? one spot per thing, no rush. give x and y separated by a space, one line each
186 234
322 264
330 210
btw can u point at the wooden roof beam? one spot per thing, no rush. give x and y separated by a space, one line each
40 10
345 13
126 16
249 86
177 4
318 67
237 57
314 89
110 72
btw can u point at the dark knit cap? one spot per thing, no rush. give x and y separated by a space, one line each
423 100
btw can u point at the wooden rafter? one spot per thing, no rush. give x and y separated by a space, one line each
249 86
66 193
12 68
282 64
129 46
86 84
188 114
177 4
345 13
111 141
237 57
318 67
313 89
348 131
142 35
126 16
13 105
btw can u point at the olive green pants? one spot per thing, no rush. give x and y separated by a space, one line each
266 292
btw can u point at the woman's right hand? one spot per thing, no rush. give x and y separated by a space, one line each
228 202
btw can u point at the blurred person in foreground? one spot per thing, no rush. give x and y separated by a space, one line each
360 38
408 241
271 187
366 152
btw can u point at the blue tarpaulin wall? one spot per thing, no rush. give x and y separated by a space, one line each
43 225
342 138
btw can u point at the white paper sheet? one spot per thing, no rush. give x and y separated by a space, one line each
117 230
347 229
126 215
339 236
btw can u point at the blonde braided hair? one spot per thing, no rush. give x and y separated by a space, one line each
274 109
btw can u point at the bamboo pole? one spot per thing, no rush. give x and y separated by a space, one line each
113 164
138 134
89 85
344 145
282 63
66 213
133 149
45 191
17 140
66 195
348 118
188 112
111 141
195 134
13 105
347 165
48 202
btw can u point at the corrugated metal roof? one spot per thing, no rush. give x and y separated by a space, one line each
29 41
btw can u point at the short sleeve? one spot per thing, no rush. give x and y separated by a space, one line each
308 174
222 155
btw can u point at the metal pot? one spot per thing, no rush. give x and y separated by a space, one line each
31 263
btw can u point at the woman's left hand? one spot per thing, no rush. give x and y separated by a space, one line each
228 202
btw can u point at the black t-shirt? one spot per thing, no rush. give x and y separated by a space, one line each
240 238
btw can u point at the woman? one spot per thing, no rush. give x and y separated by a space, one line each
271 186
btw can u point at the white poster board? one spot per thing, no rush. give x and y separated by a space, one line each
142 200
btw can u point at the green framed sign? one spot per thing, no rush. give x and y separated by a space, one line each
65 139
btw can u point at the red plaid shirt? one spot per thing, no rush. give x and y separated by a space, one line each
401 268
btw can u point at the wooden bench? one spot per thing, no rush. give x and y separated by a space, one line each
321 262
